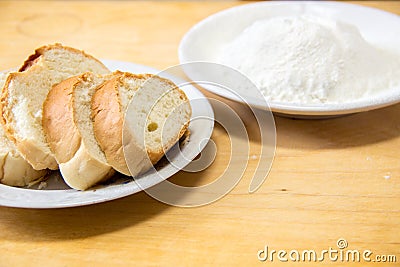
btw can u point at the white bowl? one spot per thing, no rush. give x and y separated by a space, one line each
204 41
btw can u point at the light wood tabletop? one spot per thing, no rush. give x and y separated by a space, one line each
331 179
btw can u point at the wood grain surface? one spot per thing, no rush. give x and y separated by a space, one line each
330 179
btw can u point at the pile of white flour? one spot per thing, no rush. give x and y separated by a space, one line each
311 60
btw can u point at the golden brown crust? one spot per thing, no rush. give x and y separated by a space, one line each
58 123
41 50
108 121
5 112
32 59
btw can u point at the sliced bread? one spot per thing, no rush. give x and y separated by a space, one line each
69 131
158 116
14 169
25 91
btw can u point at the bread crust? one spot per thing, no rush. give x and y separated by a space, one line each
58 121
41 50
107 123
5 112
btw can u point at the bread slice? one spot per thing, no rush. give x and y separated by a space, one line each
14 170
69 132
166 106
24 92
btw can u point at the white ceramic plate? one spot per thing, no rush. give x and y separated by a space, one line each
204 41
58 195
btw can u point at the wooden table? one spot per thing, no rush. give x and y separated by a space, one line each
331 179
